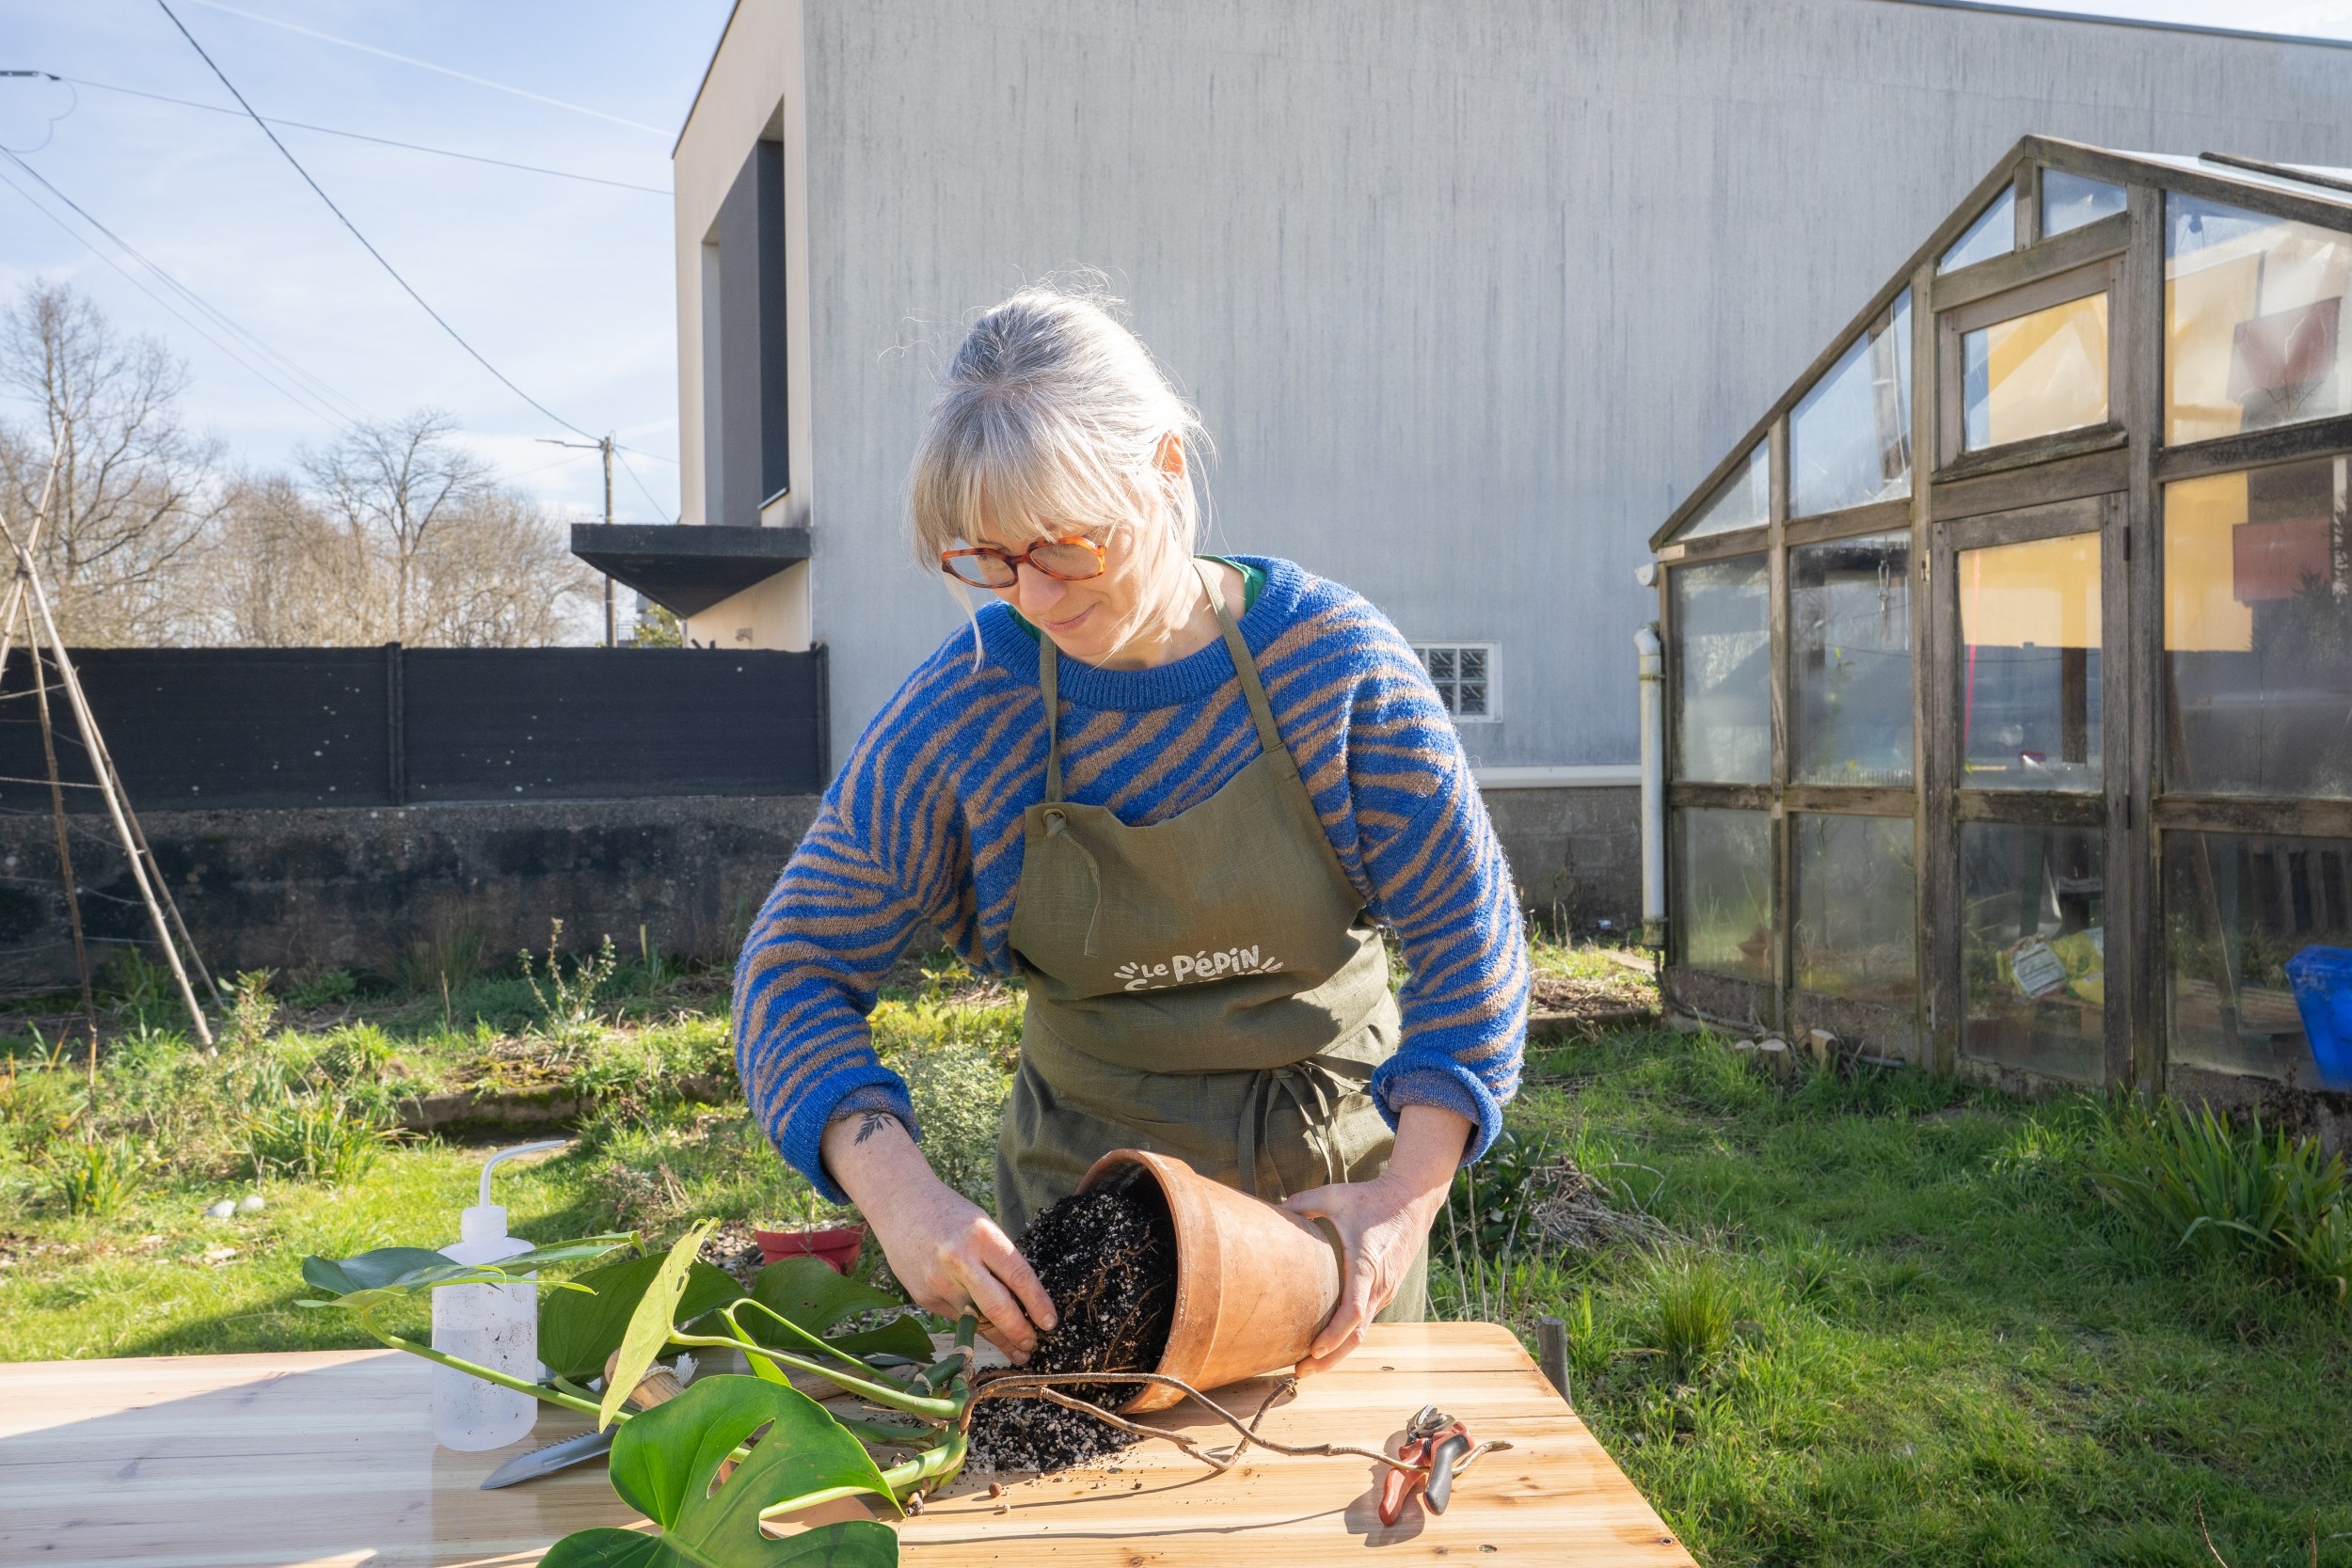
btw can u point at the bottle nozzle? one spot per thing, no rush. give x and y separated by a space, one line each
492 1163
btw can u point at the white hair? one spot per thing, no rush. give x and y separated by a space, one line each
1052 415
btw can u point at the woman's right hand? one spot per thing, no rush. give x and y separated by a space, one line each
949 1255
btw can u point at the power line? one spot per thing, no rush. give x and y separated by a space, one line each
426 65
359 136
621 452
393 272
310 403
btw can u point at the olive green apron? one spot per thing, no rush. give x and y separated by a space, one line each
1205 986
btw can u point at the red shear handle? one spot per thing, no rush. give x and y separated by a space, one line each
1399 1484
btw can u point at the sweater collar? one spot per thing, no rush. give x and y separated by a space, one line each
1191 679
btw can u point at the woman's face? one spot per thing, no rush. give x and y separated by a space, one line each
1093 619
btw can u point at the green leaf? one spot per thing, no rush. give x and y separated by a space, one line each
808 1292
578 1332
899 1336
653 1323
372 1271
856 1543
664 1459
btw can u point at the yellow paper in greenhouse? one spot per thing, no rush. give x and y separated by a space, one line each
2047 371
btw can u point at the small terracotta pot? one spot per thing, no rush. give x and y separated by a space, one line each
836 1248
1253 1285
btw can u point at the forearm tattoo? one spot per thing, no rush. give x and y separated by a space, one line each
871 1122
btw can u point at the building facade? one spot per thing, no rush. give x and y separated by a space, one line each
1469 294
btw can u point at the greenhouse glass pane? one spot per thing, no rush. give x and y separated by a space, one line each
1743 500
1724 920
1850 655
2029 665
2257 631
1855 907
2261 936
2252 318
2035 373
2073 200
1994 233
2035 948
1850 439
1723 670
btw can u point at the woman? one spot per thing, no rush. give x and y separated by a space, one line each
1172 795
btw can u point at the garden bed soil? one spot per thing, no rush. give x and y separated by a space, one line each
1108 1260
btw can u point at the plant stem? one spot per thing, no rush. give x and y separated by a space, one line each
895 1398
537 1391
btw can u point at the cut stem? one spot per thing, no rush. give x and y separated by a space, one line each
537 1390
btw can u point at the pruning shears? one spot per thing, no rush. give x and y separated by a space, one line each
1439 1445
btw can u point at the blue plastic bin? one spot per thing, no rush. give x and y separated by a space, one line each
2322 978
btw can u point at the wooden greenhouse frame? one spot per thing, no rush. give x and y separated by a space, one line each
2101 482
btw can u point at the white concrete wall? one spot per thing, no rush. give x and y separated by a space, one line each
1470 292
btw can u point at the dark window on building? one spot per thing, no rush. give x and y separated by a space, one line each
745 453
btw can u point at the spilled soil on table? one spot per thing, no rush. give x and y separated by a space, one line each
1108 1260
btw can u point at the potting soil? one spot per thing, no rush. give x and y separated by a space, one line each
1108 1260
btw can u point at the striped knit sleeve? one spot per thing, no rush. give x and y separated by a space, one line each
887 851
1439 879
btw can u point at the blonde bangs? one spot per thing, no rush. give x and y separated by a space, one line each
1002 467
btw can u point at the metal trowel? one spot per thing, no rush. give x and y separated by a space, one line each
656 1385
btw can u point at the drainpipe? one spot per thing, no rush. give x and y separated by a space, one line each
1653 787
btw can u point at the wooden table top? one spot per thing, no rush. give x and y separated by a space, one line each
327 1458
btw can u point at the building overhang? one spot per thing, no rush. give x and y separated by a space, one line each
686 569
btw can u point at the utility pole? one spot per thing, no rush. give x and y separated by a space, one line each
612 624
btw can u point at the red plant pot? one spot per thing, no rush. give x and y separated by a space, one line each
836 1248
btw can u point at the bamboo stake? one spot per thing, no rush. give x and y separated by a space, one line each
65 860
110 784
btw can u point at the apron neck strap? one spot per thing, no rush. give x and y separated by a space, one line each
1252 690
1269 739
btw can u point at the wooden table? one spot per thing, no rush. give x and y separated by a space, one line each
327 1458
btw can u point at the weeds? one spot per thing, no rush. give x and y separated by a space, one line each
447 958
568 1011
252 1011
1694 1309
311 987
95 1177
312 1139
2225 1192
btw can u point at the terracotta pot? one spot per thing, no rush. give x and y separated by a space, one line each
1253 1285
836 1248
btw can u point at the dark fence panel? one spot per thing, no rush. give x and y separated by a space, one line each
582 724
196 728
193 728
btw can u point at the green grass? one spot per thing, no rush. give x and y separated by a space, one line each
1901 1326
1892 1318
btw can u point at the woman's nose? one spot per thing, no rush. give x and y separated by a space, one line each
1036 590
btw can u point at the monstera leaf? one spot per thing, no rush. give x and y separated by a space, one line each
666 1460
579 1330
805 1293
390 1273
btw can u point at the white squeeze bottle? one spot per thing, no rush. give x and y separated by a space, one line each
491 1326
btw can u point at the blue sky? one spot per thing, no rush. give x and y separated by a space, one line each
565 285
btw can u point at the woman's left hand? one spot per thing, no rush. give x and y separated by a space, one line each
1382 1224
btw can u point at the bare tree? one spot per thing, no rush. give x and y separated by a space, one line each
394 488
134 489
275 572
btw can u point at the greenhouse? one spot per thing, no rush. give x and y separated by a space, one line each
2007 710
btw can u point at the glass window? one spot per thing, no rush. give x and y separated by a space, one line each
1850 439
2252 320
1723 670
2029 665
2035 374
1461 672
2035 952
1854 912
1743 500
2074 200
1724 918
1994 233
1849 631
2257 631
2261 955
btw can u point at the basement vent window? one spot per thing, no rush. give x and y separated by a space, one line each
1463 674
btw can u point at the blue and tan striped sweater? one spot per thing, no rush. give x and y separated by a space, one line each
924 823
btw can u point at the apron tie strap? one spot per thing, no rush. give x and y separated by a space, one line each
1057 825
1326 1080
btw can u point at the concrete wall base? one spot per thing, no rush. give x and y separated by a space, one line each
1575 854
353 888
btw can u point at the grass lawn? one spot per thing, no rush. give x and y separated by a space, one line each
1875 1320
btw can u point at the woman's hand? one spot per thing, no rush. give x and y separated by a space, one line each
950 1256
1382 1224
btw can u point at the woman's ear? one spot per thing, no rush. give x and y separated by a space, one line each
1170 456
